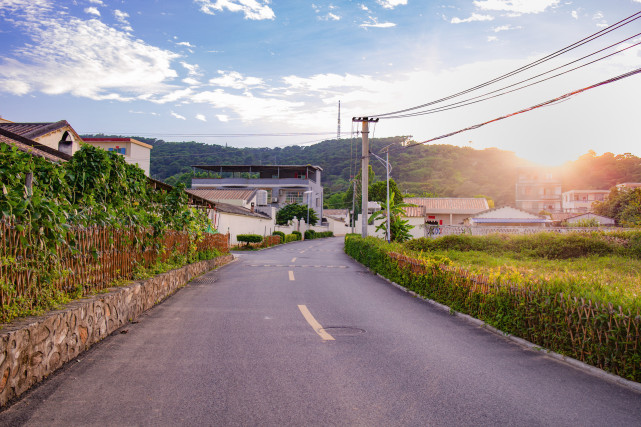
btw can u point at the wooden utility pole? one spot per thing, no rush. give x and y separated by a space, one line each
364 169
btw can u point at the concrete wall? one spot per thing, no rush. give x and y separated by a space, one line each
243 224
31 349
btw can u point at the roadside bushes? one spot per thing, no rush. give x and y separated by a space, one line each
291 238
298 234
594 332
539 245
281 234
311 234
249 238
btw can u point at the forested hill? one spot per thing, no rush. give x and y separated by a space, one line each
441 170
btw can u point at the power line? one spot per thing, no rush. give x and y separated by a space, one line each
216 135
542 104
485 96
546 58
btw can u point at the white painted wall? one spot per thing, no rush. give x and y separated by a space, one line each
241 224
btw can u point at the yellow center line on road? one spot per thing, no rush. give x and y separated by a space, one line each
291 275
294 259
314 324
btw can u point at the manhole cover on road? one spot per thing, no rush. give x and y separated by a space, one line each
343 331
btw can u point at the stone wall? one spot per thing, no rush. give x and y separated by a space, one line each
34 347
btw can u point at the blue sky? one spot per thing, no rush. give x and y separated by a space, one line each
185 70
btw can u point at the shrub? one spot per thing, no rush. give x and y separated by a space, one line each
291 238
281 234
324 234
249 238
298 235
310 234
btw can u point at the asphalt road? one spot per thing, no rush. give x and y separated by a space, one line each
243 345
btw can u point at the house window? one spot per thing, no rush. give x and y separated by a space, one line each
118 150
294 197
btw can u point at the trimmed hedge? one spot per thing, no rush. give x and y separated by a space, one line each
594 333
249 238
291 238
281 234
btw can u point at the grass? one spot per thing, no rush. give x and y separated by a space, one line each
610 279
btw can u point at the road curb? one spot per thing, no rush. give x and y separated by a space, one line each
592 370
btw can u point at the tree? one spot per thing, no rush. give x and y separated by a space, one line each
378 192
399 227
623 205
297 211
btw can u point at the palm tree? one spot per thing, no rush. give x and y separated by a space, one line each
399 227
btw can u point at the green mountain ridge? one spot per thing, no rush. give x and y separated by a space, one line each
441 170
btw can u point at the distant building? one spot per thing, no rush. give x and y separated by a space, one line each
506 216
581 201
135 152
278 185
538 189
57 135
577 219
443 211
628 185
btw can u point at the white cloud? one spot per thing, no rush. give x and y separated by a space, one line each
506 28
191 81
250 107
516 6
575 14
192 69
373 23
201 117
81 57
222 117
253 9
178 116
391 4
121 17
92 11
330 17
492 38
365 8
235 80
474 17
185 44
98 2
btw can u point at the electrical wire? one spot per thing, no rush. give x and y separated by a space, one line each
546 58
542 104
217 135
485 96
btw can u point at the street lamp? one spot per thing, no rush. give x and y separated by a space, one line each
308 197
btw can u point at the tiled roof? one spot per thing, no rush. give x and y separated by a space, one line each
562 216
33 130
223 194
449 205
227 208
415 211
32 147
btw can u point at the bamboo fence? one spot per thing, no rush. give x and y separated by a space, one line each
95 258
595 333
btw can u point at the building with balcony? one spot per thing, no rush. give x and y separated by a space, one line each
538 189
277 185
135 152
580 201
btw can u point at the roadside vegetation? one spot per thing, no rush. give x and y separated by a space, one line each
79 213
577 294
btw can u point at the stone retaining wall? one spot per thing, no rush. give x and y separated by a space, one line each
34 347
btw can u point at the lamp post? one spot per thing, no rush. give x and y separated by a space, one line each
309 192
388 168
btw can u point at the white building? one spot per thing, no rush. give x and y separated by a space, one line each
135 152
580 201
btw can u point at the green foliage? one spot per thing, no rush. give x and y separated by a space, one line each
399 227
94 188
291 238
249 238
281 234
377 192
294 210
539 245
623 205
298 234
585 223
310 234
544 312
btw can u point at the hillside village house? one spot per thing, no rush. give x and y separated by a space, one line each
59 135
506 216
538 189
628 185
278 185
135 152
579 201
443 211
